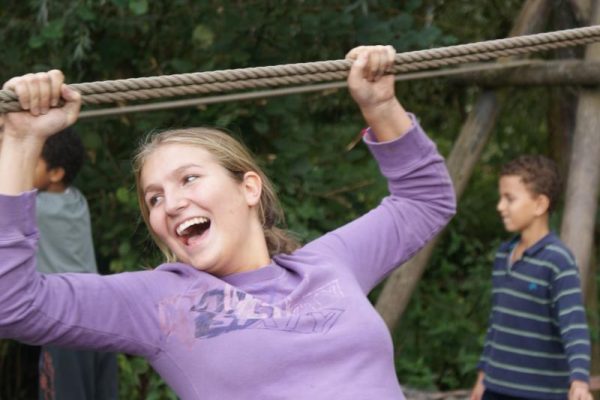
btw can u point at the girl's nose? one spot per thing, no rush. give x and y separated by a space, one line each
174 203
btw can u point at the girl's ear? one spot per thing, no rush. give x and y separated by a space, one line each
543 204
252 188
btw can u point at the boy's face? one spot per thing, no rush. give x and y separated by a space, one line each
518 206
41 180
46 179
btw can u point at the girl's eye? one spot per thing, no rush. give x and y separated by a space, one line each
189 178
153 200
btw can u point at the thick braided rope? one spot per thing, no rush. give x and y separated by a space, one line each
222 87
305 73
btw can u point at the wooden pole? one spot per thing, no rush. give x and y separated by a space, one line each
474 134
540 73
561 126
581 198
562 101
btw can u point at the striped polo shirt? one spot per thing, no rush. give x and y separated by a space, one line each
537 340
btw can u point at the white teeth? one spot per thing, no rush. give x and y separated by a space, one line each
197 220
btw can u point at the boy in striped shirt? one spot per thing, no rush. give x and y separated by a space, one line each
537 344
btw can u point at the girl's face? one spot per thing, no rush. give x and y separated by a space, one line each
207 218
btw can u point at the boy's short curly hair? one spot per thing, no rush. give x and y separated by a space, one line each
64 149
539 174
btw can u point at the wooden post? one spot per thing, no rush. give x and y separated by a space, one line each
562 103
539 73
581 198
474 134
561 126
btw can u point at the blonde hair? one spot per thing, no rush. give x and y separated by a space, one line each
235 158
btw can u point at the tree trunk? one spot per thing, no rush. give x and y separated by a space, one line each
475 133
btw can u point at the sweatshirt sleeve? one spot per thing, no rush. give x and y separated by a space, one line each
420 203
71 310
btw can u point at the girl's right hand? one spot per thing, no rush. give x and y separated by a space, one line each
39 95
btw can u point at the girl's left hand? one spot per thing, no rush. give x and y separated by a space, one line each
370 81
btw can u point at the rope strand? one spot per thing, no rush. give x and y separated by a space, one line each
146 88
261 94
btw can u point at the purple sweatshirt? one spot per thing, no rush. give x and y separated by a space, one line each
298 328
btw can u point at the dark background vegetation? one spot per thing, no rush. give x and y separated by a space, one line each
303 141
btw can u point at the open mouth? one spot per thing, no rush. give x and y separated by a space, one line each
192 228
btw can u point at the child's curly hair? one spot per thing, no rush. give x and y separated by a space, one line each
539 174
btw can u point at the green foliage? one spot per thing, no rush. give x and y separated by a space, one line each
142 383
444 326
